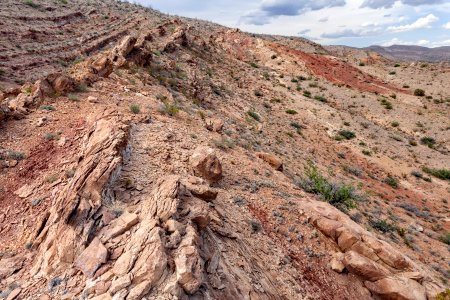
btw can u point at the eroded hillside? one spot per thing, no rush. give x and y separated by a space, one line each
178 159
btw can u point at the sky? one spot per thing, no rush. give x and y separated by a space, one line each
357 23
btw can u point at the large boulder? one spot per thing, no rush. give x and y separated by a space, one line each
364 267
205 164
92 258
397 288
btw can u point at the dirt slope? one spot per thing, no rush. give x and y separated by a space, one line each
180 161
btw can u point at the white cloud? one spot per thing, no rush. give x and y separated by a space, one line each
424 22
389 3
447 26
423 42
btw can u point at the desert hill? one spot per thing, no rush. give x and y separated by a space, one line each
145 156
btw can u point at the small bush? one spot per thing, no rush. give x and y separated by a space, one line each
291 112
428 141
353 170
366 152
382 225
259 93
254 115
419 92
396 65
47 107
224 143
72 97
320 98
81 88
340 195
31 3
395 124
16 155
362 64
296 125
170 109
445 238
391 181
405 86
51 136
386 103
392 73
273 56
135 108
443 174
307 94
347 134
254 65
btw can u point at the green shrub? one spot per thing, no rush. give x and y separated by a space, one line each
51 136
254 65
273 56
31 3
72 97
307 94
291 112
386 103
16 155
395 124
428 141
445 238
47 107
443 174
320 98
391 181
362 64
170 109
382 225
396 65
347 134
340 195
254 115
392 73
258 93
135 108
419 92
81 88
366 152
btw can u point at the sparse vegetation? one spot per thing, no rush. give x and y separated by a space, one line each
47 107
443 174
16 155
170 109
73 97
392 182
395 124
419 92
445 238
258 93
428 141
307 94
386 103
254 115
291 111
135 108
347 134
382 225
340 195
320 98
31 3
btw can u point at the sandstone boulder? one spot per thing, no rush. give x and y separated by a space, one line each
364 267
92 258
272 160
205 164
10 265
397 288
